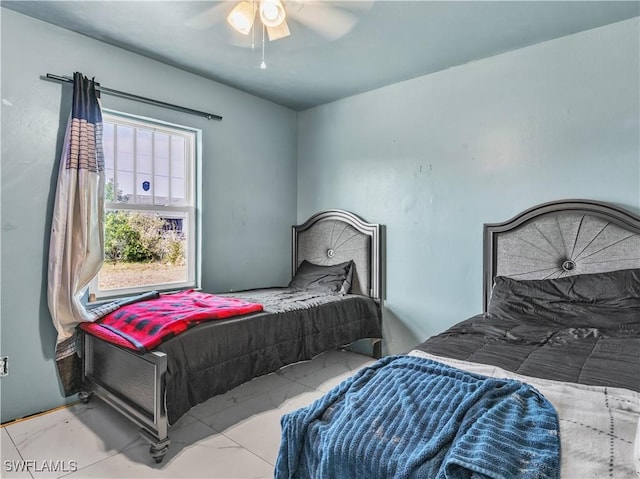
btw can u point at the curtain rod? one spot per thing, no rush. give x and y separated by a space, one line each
131 96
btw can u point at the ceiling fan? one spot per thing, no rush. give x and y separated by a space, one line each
271 13
330 19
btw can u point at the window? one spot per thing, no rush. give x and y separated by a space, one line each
151 225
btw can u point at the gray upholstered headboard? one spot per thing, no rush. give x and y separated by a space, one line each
336 236
561 238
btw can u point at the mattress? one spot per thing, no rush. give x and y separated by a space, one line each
217 356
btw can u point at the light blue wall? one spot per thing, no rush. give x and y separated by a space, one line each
432 159
436 157
249 170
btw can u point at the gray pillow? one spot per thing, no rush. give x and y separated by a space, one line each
335 278
583 300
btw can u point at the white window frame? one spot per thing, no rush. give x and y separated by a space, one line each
191 211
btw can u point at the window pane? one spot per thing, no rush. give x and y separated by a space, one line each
144 189
107 144
124 162
177 148
109 185
177 192
161 176
125 186
144 167
161 145
143 249
178 172
161 190
109 172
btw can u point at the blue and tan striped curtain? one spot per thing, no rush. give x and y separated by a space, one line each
77 246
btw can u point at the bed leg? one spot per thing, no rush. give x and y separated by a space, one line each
85 396
159 447
158 453
376 344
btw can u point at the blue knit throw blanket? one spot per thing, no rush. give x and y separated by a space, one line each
410 417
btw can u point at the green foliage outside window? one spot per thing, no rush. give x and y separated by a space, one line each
139 237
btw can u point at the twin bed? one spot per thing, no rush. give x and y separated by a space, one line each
555 354
154 389
544 384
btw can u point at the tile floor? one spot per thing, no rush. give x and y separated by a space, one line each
235 435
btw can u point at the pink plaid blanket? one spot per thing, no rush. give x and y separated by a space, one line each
143 325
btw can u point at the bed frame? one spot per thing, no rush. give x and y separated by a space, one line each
134 384
560 238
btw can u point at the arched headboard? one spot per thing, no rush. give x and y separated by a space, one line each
561 238
335 236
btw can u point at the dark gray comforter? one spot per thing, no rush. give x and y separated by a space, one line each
550 351
217 356
583 329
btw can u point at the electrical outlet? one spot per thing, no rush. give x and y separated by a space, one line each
4 366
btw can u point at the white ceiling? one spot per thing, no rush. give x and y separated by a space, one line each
328 56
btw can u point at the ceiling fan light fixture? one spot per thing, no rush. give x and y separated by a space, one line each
241 17
276 33
272 13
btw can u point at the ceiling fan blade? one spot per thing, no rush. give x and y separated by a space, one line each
210 16
281 31
353 6
326 20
